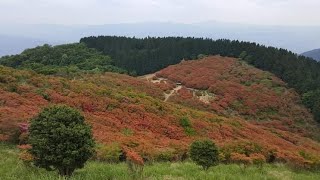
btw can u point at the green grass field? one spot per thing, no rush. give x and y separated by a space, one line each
12 168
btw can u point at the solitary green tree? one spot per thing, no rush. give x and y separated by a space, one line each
204 153
60 139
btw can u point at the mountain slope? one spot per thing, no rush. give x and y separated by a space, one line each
133 112
230 87
315 54
63 60
149 55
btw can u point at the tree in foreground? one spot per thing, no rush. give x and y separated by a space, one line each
60 139
204 153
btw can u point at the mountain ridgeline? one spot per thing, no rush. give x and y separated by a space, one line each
315 54
152 54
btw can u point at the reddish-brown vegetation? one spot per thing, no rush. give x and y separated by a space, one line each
241 90
131 112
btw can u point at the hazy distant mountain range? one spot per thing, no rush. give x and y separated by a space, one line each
15 38
315 54
16 44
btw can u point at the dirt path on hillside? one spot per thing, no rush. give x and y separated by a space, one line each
148 77
167 96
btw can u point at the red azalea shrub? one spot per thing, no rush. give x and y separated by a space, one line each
134 157
240 159
135 164
23 137
25 156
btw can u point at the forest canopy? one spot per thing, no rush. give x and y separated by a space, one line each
61 60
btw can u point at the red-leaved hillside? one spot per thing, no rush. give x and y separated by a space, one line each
244 110
230 87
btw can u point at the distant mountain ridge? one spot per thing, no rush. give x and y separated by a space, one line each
315 54
296 39
10 45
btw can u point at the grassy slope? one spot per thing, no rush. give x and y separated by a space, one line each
131 112
11 168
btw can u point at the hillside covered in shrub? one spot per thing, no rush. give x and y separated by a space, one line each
231 87
150 54
128 112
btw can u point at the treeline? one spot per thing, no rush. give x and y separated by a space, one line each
63 60
152 54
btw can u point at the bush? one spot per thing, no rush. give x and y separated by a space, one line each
109 153
241 147
165 155
185 122
241 159
204 153
25 155
135 164
310 161
187 126
60 139
244 160
24 134
258 159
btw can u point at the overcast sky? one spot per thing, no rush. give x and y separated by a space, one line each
265 12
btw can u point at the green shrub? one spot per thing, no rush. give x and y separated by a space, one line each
44 94
127 132
165 155
185 123
60 139
204 153
241 147
109 153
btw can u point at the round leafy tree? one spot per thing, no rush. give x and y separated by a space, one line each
204 153
60 139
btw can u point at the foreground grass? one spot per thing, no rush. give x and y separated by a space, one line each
12 168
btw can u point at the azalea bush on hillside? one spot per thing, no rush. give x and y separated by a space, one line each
233 87
132 112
